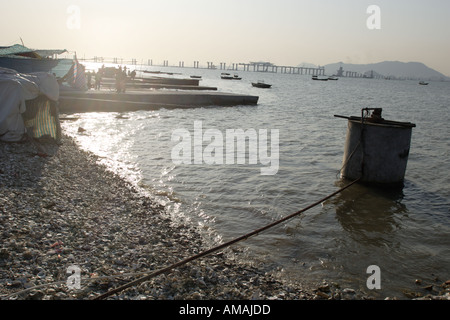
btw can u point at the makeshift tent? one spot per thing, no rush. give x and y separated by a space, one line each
28 100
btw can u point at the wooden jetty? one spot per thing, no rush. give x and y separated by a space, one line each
107 101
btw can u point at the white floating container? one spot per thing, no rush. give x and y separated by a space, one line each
376 150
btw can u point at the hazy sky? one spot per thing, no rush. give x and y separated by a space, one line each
285 32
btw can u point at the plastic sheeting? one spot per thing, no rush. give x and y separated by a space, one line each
15 90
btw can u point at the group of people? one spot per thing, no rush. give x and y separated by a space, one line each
97 78
121 76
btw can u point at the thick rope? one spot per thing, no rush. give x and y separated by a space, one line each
219 247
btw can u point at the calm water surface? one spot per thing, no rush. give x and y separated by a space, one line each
405 232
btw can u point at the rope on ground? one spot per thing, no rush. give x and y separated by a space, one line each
219 247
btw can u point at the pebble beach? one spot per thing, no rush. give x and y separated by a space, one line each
60 208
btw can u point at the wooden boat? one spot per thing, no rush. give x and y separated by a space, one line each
319 79
261 84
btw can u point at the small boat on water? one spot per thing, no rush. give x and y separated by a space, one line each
196 77
319 79
333 78
227 76
261 84
423 83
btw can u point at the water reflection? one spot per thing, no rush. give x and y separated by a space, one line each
369 214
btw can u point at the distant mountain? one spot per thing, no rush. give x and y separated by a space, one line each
393 69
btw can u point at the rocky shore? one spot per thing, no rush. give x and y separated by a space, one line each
59 209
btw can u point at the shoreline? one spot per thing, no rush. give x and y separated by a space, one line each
64 209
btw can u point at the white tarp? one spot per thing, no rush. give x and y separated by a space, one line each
15 89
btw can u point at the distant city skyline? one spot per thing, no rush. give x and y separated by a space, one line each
284 32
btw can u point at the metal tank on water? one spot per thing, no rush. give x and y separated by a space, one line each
376 150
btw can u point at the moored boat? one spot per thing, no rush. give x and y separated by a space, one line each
227 76
319 79
261 84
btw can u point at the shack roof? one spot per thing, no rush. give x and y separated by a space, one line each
22 51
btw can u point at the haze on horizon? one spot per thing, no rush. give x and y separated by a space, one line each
284 32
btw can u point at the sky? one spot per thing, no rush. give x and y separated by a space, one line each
284 32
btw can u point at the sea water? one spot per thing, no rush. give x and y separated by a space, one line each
406 232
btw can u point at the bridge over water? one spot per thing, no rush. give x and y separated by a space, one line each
250 66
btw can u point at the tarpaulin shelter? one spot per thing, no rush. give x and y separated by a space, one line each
69 72
26 60
28 101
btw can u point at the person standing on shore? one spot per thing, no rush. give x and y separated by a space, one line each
98 79
121 78
89 80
